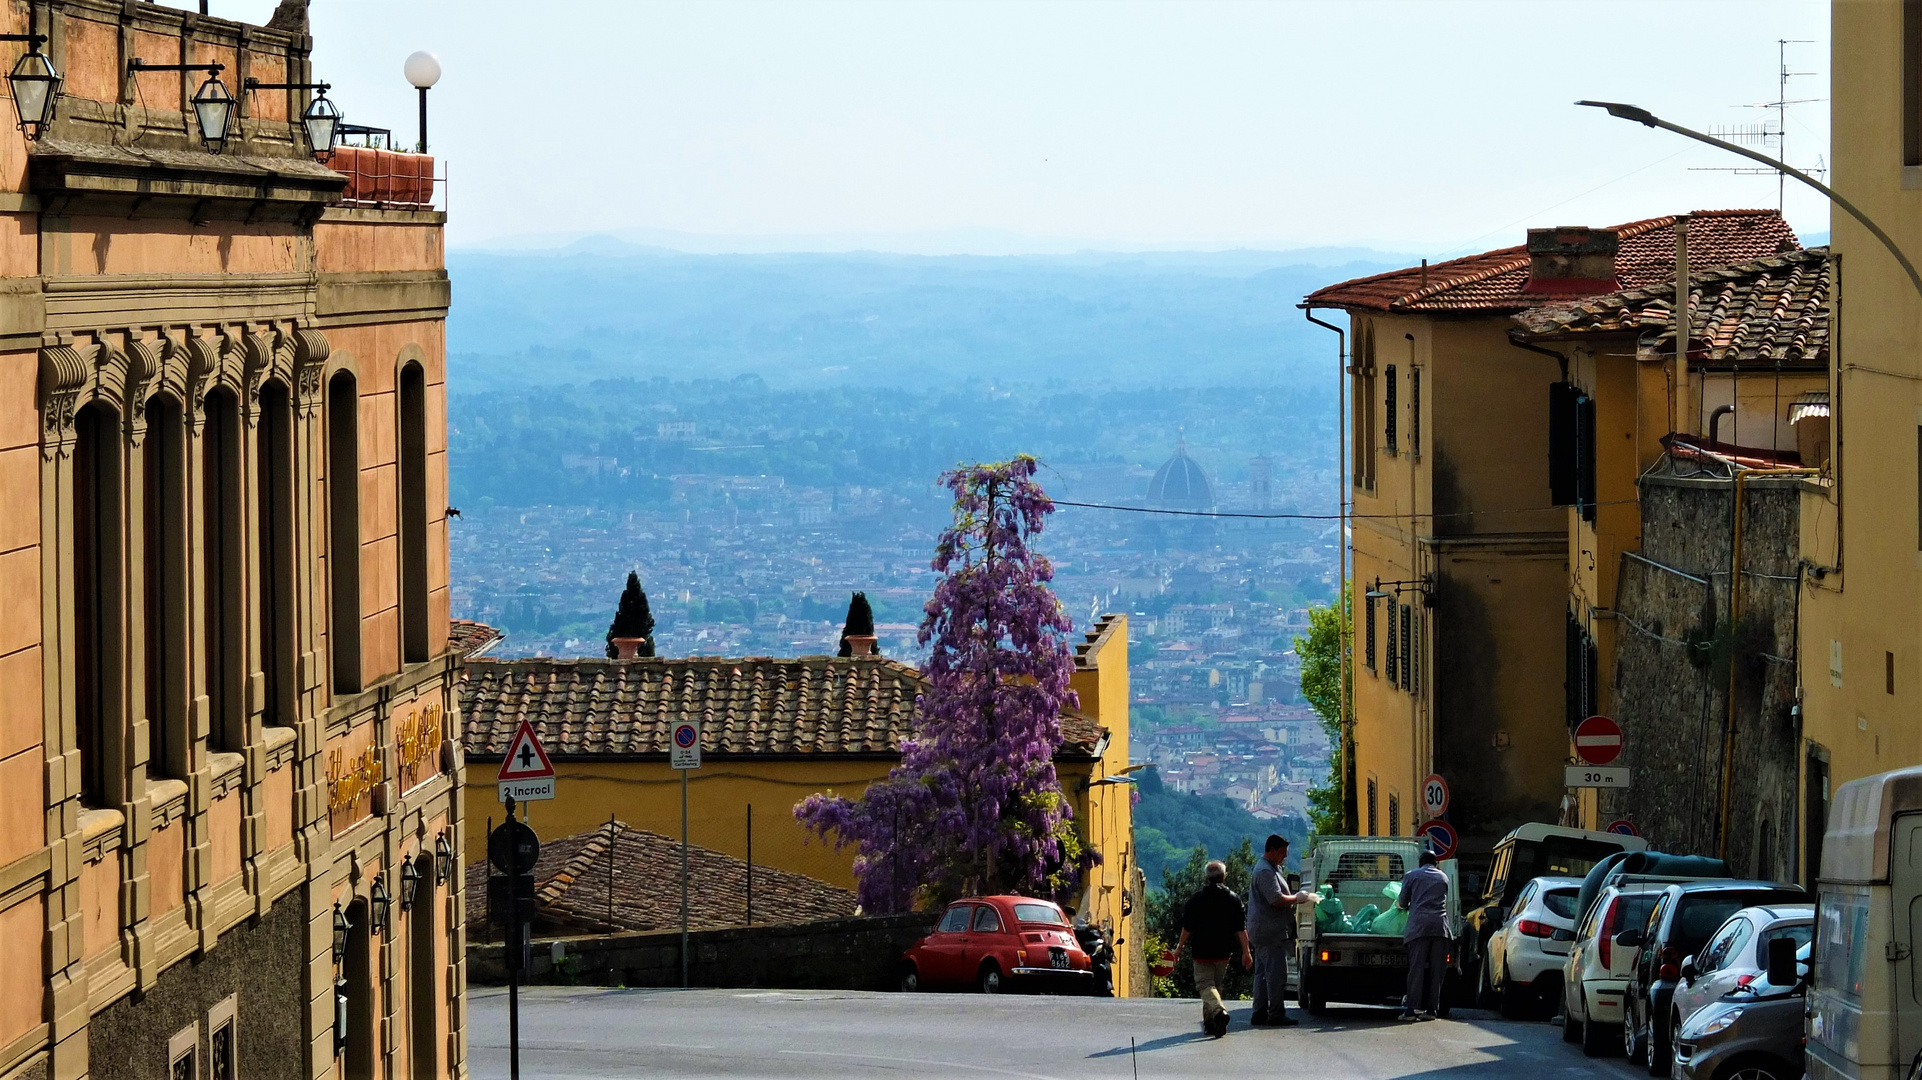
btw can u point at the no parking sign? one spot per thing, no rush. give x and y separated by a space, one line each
686 751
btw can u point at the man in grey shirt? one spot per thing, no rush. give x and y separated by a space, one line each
1271 932
1424 896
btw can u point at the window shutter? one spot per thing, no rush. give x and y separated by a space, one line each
1407 647
1394 644
1585 455
1368 651
1561 443
1388 410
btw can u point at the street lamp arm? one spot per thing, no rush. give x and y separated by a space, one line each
1649 119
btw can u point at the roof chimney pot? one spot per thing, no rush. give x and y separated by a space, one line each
1572 260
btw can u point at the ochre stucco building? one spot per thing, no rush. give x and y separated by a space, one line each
226 721
773 732
1478 649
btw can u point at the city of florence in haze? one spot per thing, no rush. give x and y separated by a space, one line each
721 538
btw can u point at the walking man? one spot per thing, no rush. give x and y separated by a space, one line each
1271 932
1212 920
1424 896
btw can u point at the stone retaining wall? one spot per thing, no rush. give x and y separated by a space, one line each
862 953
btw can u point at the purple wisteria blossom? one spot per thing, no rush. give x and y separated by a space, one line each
975 807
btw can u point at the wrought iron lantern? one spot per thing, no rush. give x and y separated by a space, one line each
409 883
378 904
213 103
322 121
214 111
443 858
341 928
36 86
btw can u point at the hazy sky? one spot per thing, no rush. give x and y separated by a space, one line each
1421 126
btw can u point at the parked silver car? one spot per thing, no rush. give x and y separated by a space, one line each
1737 955
1752 1033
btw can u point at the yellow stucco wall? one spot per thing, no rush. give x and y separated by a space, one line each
1467 500
1867 608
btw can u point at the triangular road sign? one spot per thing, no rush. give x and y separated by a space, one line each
525 759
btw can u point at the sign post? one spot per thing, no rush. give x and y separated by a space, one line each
526 773
1434 796
684 756
509 848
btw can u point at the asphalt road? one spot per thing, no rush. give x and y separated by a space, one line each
798 1033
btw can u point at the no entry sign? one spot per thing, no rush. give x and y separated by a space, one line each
1598 741
1441 837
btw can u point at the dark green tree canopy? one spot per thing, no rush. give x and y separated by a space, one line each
860 622
632 619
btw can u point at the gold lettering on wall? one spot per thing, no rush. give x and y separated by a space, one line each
417 740
349 780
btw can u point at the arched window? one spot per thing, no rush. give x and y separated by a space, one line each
98 630
343 530
360 1059
274 480
413 514
168 662
425 987
224 578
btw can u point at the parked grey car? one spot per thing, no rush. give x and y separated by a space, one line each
1753 1033
1738 955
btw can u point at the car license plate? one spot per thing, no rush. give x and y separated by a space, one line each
1383 960
1058 959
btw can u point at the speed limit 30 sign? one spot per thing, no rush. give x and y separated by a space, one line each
1434 796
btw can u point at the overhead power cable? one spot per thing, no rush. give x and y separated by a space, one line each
1322 517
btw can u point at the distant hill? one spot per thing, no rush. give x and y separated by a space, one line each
603 307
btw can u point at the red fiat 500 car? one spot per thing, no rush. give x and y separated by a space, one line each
995 942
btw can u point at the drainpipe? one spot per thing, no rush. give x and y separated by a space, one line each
1684 419
1734 613
1349 810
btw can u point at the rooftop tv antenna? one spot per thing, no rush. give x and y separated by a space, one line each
1764 135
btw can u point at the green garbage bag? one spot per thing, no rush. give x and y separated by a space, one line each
1329 918
1364 919
1391 922
1392 890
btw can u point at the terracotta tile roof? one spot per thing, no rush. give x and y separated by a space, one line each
571 887
470 638
1764 311
756 706
1493 281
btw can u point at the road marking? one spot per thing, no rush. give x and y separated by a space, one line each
919 1061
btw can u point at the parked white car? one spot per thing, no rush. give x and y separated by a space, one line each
1524 961
1595 975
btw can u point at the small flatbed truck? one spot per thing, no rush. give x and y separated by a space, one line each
1338 964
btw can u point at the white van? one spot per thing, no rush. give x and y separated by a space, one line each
1865 1002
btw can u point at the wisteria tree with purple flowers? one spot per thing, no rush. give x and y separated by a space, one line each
975 807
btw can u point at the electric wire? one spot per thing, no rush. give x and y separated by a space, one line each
1326 517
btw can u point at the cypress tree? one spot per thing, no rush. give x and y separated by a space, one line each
632 619
860 622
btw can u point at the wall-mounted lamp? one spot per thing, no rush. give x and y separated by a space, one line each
341 927
378 904
213 104
409 883
1424 586
321 119
423 70
36 85
443 858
